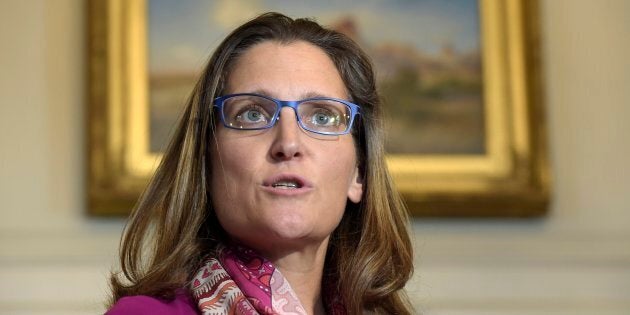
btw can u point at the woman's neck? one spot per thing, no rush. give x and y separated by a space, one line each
304 270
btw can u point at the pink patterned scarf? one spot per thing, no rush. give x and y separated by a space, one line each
242 282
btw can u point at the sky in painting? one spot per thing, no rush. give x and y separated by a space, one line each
182 34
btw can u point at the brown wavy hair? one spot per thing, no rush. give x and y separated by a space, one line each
173 226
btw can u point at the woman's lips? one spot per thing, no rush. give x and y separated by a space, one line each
287 184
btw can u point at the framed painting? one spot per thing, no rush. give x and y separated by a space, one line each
460 82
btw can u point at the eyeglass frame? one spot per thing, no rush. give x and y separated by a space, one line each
354 111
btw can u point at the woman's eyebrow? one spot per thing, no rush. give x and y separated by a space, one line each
305 95
313 94
262 92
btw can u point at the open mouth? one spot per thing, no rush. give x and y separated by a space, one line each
286 185
286 182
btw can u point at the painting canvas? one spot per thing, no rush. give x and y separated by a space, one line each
426 55
459 81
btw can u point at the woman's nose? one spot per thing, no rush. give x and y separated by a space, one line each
286 143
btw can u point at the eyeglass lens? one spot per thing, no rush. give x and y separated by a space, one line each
254 112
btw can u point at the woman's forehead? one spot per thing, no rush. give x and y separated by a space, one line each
295 69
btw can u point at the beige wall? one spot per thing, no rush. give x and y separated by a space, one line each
54 259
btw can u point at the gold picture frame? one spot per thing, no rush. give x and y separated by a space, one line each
511 180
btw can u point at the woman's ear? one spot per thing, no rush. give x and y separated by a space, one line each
355 191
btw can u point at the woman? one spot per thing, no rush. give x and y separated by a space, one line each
268 205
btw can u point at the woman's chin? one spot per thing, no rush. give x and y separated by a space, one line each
283 237
292 230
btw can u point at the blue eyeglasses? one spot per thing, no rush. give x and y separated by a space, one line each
321 115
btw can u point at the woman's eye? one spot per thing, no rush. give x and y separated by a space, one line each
322 118
252 115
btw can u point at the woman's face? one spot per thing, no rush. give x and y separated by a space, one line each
249 167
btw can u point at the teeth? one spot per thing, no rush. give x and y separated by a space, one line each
285 185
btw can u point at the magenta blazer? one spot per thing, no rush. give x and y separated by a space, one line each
183 304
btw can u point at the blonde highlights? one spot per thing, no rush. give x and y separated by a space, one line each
173 227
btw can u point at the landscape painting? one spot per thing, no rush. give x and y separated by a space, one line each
426 53
459 79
